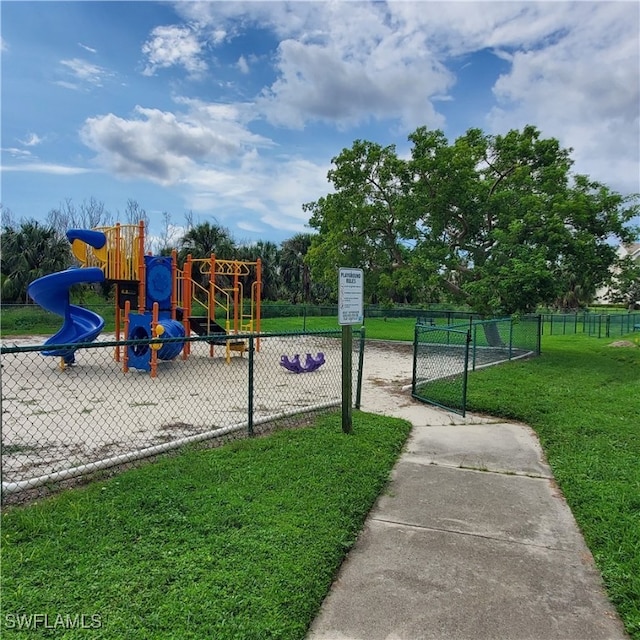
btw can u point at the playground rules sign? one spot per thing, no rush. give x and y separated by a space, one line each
350 296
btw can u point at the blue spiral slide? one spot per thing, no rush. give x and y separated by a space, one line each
51 292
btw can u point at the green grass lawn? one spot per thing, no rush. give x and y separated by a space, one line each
376 328
251 534
582 397
36 321
242 541
33 320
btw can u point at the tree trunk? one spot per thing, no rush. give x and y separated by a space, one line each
492 335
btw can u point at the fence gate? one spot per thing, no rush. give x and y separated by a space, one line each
440 364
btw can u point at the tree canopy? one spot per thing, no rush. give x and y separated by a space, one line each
497 222
30 251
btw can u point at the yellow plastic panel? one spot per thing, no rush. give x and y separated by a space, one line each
101 254
79 250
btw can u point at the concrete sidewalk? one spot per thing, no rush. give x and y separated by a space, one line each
472 539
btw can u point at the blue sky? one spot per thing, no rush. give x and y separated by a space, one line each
232 111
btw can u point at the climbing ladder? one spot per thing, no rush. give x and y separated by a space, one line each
213 302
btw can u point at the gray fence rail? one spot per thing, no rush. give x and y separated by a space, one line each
61 423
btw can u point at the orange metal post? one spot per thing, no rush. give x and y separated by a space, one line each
212 287
211 311
235 297
186 304
117 318
214 273
154 352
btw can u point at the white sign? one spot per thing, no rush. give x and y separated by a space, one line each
350 295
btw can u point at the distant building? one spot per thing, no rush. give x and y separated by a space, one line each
603 295
632 250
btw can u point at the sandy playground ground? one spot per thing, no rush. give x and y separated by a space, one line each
54 419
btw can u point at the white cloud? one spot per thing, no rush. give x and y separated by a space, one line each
317 82
338 62
87 48
573 73
68 85
260 193
455 28
348 62
31 140
582 88
42 167
84 72
17 153
243 65
251 227
174 46
168 147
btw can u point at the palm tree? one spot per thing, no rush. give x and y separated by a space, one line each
269 255
294 271
30 251
204 239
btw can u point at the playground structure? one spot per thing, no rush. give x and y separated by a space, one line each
154 299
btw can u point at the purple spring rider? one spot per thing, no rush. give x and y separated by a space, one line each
310 363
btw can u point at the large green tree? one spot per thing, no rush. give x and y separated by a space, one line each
365 222
498 222
30 251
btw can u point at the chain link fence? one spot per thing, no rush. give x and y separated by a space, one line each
599 325
307 312
440 365
444 355
64 423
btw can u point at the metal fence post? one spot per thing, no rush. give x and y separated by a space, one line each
465 375
475 342
415 359
250 390
360 367
347 341
510 338
539 336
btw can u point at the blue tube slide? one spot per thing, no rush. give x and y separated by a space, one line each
51 292
95 239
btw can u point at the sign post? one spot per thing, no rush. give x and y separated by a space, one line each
350 312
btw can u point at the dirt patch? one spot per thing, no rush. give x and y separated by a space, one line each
622 343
